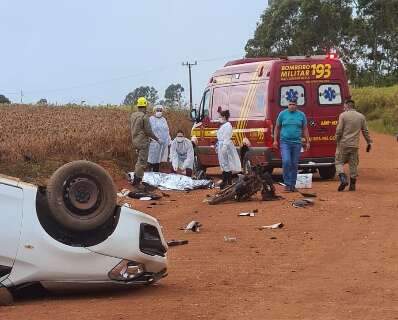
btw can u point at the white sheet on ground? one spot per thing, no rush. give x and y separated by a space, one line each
165 181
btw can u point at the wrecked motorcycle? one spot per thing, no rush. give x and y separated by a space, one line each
246 186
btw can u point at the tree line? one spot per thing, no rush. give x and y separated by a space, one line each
173 96
364 33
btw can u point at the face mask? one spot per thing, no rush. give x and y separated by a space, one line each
180 139
158 114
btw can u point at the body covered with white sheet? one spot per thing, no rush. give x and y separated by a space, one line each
158 152
228 157
181 154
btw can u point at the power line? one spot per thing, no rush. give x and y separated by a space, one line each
101 82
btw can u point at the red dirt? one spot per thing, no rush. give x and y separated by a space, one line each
328 262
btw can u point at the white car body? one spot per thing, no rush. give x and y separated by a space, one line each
28 254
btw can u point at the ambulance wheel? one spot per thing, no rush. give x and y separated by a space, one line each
327 172
81 196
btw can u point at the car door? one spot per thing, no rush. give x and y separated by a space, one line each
11 201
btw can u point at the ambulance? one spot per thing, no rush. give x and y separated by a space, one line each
255 91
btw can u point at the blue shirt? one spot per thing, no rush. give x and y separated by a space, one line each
291 125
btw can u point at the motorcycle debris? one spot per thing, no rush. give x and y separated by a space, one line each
230 239
308 194
272 226
173 243
302 203
193 226
247 214
145 199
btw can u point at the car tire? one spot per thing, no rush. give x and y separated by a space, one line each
327 172
81 196
6 298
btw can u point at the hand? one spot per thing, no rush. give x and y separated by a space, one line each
307 146
368 147
275 144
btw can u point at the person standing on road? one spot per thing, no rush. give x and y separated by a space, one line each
182 154
158 152
350 124
228 157
291 125
141 133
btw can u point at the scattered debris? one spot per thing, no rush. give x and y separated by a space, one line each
282 184
127 205
278 225
364 216
166 195
302 203
123 193
173 243
246 214
273 238
192 226
230 239
145 199
308 194
139 195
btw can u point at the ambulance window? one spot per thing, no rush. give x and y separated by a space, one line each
220 99
329 94
244 102
289 93
206 104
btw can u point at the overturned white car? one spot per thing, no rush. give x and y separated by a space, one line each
72 232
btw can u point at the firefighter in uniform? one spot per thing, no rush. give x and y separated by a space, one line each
350 124
141 134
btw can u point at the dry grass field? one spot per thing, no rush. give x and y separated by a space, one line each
35 140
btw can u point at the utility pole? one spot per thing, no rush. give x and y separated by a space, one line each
189 65
21 96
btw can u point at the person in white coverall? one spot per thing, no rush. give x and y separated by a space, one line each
228 157
158 152
182 154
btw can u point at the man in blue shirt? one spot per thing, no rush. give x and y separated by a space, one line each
291 125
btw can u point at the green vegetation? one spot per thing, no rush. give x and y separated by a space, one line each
364 32
380 105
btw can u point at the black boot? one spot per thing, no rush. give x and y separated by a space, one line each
224 180
156 167
353 181
229 178
343 182
136 181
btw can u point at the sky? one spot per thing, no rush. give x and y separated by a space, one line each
68 51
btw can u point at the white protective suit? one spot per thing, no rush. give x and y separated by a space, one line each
158 152
181 154
228 157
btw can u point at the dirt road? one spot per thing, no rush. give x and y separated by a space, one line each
336 260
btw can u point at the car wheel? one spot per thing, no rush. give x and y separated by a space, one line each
81 196
327 172
6 298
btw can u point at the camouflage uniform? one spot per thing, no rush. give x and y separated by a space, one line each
351 123
141 133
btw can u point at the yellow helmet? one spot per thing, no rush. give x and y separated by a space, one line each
142 102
